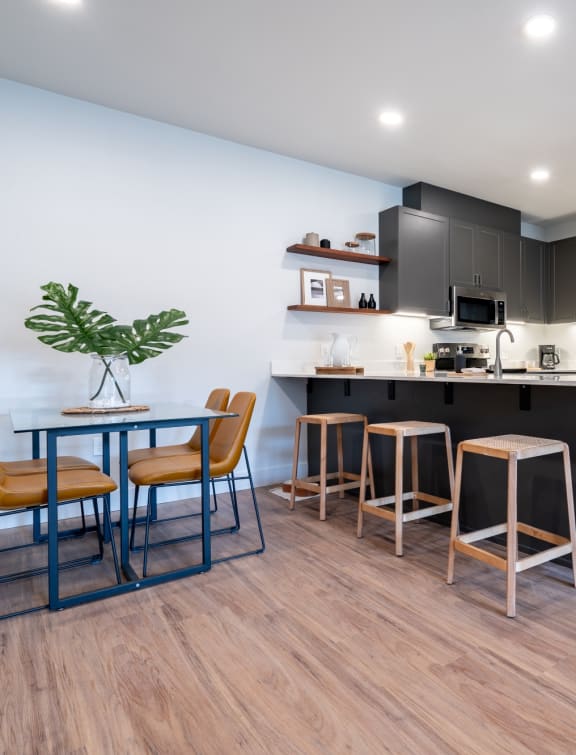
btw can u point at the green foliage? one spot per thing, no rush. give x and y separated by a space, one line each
70 324
428 356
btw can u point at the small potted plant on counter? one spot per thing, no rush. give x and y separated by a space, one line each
429 361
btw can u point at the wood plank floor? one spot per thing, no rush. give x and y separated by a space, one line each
324 644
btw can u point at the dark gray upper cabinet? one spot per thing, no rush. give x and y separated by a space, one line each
534 259
562 281
451 204
523 277
475 254
512 275
417 243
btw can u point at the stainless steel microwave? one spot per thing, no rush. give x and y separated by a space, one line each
473 308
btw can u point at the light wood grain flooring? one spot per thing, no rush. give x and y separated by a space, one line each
325 644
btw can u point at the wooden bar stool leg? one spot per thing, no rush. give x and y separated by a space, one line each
323 455
399 489
450 461
454 524
370 467
340 459
362 496
414 470
570 504
295 464
512 537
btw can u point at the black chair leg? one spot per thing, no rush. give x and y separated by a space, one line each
254 501
232 484
233 500
147 532
108 525
133 528
98 527
83 515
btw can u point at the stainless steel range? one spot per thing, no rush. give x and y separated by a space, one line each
475 354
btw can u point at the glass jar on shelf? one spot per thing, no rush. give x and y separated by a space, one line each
366 243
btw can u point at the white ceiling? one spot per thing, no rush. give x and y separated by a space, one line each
308 78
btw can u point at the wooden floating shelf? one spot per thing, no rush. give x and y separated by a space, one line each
338 254
337 310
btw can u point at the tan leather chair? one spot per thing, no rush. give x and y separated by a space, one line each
38 466
226 448
217 401
21 492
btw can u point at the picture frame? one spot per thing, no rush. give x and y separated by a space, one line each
313 287
338 293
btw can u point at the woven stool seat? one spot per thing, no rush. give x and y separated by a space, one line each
521 446
512 448
407 428
379 506
318 484
331 418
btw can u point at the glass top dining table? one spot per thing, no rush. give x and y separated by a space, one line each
53 424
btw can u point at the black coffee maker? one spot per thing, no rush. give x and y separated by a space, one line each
548 356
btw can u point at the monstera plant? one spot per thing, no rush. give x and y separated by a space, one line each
72 324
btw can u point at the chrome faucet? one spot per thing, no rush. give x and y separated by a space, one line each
497 361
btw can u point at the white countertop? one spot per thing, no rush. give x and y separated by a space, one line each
285 369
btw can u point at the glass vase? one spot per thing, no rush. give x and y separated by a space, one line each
109 383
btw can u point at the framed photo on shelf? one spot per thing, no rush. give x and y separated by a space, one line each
338 293
313 287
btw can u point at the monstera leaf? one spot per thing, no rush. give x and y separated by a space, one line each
149 338
70 324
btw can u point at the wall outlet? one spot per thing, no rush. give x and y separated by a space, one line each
97 447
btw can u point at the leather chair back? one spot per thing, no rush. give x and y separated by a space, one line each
217 401
228 441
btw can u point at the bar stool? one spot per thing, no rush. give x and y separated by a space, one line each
412 429
318 483
512 448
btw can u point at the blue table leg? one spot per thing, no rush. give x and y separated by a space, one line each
153 492
106 470
206 544
52 481
124 515
36 512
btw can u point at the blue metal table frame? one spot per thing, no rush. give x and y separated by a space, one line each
55 425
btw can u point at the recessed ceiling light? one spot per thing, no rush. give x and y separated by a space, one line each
540 175
391 118
540 27
68 3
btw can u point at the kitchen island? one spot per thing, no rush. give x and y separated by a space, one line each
472 406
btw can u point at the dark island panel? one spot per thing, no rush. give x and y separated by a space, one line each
472 410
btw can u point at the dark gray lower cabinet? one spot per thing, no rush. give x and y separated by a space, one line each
562 307
524 277
475 254
416 279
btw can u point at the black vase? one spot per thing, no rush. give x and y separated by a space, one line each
371 302
363 304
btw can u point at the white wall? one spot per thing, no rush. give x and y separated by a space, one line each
144 216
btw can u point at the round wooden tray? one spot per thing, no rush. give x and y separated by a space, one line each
105 410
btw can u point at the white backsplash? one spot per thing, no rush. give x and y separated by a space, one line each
380 339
